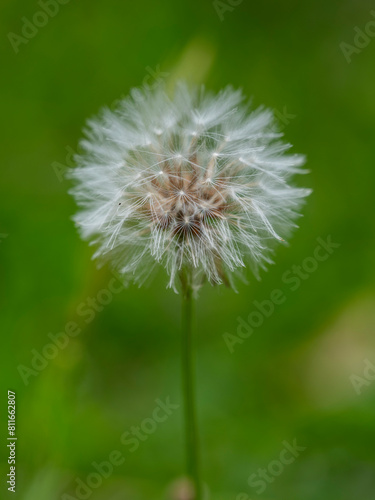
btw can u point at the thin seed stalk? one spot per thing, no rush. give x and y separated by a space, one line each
188 389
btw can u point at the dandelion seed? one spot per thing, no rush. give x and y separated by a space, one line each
203 185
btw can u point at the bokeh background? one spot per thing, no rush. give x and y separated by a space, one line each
298 376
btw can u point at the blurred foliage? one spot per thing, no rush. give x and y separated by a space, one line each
292 378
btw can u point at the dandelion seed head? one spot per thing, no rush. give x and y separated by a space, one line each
195 181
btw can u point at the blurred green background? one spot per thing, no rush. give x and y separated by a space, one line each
293 378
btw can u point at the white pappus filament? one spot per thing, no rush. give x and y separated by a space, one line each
193 181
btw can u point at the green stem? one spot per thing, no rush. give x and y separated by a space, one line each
189 392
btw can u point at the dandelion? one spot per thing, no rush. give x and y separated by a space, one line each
190 183
195 183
